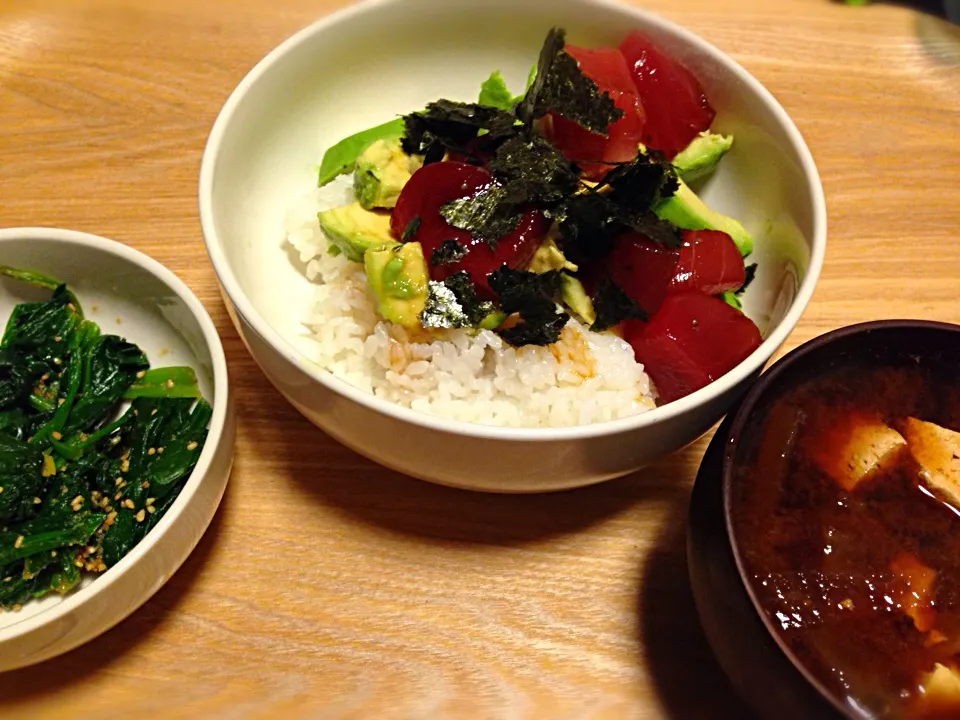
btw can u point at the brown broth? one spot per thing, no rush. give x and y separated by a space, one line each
819 557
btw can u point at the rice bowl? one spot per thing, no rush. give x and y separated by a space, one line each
261 155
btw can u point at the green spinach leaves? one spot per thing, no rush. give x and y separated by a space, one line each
82 478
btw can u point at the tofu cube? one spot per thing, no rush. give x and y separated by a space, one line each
937 450
942 684
854 446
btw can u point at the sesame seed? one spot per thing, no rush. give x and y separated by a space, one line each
57 361
169 383
141 374
78 562
151 509
192 445
151 501
104 501
56 435
118 496
57 338
36 500
117 481
153 412
18 542
72 307
78 500
8 578
160 451
128 503
16 607
1 489
151 451
140 516
53 553
145 484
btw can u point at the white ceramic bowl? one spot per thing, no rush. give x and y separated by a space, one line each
368 63
128 294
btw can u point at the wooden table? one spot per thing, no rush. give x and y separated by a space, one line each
330 587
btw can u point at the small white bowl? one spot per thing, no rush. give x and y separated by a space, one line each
132 295
366 64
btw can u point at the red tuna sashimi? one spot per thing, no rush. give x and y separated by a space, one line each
692 340
642 268
677 108
709 262
436 184
608 69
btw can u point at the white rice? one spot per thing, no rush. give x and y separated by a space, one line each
585 377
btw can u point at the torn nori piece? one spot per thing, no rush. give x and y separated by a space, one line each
533 297
450 251
613 305
450 125
643 181
411 229
621 201
532 170
453 303
485 215
750 272
474 308
561 87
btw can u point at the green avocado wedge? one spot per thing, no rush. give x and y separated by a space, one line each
342 157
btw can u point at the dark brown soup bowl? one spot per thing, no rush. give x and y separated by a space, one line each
759 664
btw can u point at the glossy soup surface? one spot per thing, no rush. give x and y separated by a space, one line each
862 581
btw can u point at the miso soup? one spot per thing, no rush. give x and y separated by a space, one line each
846 516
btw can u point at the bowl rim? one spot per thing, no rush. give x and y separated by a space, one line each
78 598
739 374
751 399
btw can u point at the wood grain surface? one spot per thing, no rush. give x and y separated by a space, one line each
328 587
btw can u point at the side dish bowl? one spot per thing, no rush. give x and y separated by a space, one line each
758 661
323 83
132 295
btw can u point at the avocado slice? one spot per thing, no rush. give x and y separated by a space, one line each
731 299
398 277
382 171
701 156
575 297
355 230
686 210
493 320
550 257
342 157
